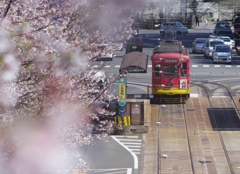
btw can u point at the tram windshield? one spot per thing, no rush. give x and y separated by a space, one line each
183 68
170 71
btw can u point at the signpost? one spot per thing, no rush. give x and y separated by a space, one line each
122 111
122 91
122 94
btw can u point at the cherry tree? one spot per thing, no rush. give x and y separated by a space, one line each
51 96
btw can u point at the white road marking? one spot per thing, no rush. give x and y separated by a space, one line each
107 66
122 136
149 66
130 151
215 96
117 66
132 143
217 66
128 140
194 65
228 66
193 95
205 66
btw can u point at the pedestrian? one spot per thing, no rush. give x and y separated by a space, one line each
197 20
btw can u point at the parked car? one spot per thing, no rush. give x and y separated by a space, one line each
105 56
173 27
210 44
222 54
198 45
222 24
135 43
228 41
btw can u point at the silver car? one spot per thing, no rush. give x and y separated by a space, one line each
198 45
210 44
173 27
222 54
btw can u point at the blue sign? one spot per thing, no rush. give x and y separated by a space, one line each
122 111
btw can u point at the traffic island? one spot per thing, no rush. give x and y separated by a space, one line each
133 119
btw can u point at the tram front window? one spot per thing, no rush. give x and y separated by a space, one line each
170 71
157 70
183 69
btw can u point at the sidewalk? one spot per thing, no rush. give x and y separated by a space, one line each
203 26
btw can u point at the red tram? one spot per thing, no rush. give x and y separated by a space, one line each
170 73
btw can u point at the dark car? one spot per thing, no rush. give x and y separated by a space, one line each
134 44
222 24
224 32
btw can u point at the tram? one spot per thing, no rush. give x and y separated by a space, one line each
170 73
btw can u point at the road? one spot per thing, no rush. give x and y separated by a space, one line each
120 154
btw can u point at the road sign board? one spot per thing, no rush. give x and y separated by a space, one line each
122 111
122 93
122 103
122 80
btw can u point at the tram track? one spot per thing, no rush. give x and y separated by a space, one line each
228 93
205 131
173 124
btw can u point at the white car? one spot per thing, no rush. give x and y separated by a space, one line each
105 56
222 54
228 41
209 47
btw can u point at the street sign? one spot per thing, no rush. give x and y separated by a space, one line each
122 111
122 103
122 80
122 91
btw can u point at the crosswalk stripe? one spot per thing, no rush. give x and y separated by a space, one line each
217 66
205 66
117 66
131 143
125 136
128 140
194 65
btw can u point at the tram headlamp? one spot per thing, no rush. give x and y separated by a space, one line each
170 83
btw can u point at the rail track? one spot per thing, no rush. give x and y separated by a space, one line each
204 137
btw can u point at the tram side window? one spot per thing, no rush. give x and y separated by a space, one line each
183 69
157 70
170 71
